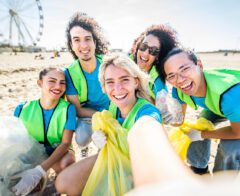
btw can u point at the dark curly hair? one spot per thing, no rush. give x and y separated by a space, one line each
167 37
89 24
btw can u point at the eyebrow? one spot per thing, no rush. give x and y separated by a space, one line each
146 43
178 69
122 77
87 36
52 78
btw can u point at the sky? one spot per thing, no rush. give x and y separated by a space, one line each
202 25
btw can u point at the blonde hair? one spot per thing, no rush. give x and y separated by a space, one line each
124 62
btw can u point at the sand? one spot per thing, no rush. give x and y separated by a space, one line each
19 74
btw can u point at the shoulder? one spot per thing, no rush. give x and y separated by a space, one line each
232 94
229 97
149 110
71 108
18 109
230 104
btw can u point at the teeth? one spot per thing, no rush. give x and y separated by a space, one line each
186 85
119 96
56 91
143 59
84 52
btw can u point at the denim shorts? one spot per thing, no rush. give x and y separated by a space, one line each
83 131
228 153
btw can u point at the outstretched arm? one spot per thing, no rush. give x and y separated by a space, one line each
152 157
228 132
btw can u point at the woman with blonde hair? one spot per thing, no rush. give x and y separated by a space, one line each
126 86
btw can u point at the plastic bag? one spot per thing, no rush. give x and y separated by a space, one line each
181 141
170 108
18 151
201 124
111 174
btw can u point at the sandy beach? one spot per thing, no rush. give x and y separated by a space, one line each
19 74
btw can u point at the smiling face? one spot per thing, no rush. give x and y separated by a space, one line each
120 87
53 85
144 59
183 74
82 43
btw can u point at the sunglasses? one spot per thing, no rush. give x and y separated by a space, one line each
151 50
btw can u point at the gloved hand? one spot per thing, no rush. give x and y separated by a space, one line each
170 108
194 135
99 139
29 180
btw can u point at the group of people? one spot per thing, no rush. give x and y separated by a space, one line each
127 86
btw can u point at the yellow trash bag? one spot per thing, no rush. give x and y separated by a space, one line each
201 124
111 174
181 141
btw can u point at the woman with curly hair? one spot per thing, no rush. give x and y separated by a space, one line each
150 48
87 45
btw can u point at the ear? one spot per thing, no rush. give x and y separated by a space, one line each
39 83
199 64
137 82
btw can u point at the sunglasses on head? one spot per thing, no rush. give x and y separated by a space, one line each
151 50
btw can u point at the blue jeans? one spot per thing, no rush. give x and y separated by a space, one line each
83 131
228 153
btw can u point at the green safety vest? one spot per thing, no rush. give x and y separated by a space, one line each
79 80
131 117
32 117
218 82
153 76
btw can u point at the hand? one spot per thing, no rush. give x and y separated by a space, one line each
99 139
170 108
194 135
29 180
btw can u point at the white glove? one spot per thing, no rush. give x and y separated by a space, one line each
99 139
195 135
170 108
29 180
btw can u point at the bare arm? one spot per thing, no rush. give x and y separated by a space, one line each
228 132
153 159
60 151
81 111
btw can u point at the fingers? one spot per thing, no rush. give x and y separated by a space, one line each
21 188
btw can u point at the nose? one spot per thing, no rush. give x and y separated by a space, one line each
118 86
180 78
146 52
83 44
58 85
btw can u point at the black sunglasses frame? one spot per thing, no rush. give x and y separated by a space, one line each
151 50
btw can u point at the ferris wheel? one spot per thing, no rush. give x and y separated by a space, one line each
21 22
